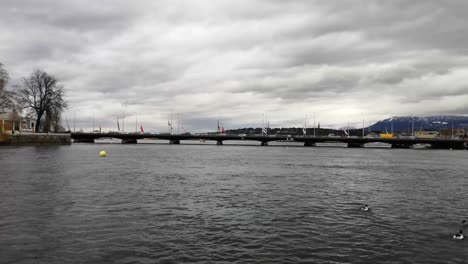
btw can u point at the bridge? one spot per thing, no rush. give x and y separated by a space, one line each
309 141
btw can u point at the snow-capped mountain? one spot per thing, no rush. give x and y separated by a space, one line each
407 123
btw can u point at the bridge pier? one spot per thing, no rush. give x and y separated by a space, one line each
355 145
448 145
400 146
129 141
309 144
174 142
264 143
83 140
219 143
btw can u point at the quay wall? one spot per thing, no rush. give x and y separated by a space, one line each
5 139
35 139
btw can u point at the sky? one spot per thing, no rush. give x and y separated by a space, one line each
241 62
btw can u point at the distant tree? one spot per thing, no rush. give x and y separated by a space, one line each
4 77
8 101
43 97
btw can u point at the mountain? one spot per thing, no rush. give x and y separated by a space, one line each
398 123
405 123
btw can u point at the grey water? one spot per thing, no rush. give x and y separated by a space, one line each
154 203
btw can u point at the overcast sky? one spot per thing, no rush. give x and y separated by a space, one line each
241 60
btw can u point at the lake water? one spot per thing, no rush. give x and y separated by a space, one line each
158 203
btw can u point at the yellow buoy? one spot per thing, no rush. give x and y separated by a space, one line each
102 154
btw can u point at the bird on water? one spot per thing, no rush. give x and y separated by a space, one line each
365 208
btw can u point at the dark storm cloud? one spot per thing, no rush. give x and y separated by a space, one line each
239 59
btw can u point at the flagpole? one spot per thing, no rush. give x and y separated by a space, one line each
305 126
74 121
348 128
263 121
68 124
314 124
118 125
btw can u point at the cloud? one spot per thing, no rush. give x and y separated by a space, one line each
342 60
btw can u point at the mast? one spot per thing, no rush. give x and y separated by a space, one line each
391 125
136 122
74 121
363 128
93 121
452 127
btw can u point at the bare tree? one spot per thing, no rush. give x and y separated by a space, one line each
43 96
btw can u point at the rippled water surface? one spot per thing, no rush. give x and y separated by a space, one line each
152 203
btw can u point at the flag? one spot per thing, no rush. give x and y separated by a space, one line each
222 130
141 129
99 128
68 124
346 132
264 130
304 131
169 124
218 125
118 126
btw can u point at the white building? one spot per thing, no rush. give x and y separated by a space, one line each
11 122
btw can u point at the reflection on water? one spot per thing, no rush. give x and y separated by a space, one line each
151 203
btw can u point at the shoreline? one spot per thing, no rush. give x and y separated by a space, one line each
24 139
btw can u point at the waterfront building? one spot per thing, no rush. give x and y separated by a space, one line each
11 122
452 133
427 134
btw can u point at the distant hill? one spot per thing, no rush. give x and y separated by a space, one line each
399 124
405 123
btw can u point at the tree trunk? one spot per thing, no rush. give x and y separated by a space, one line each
47 121
38 122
